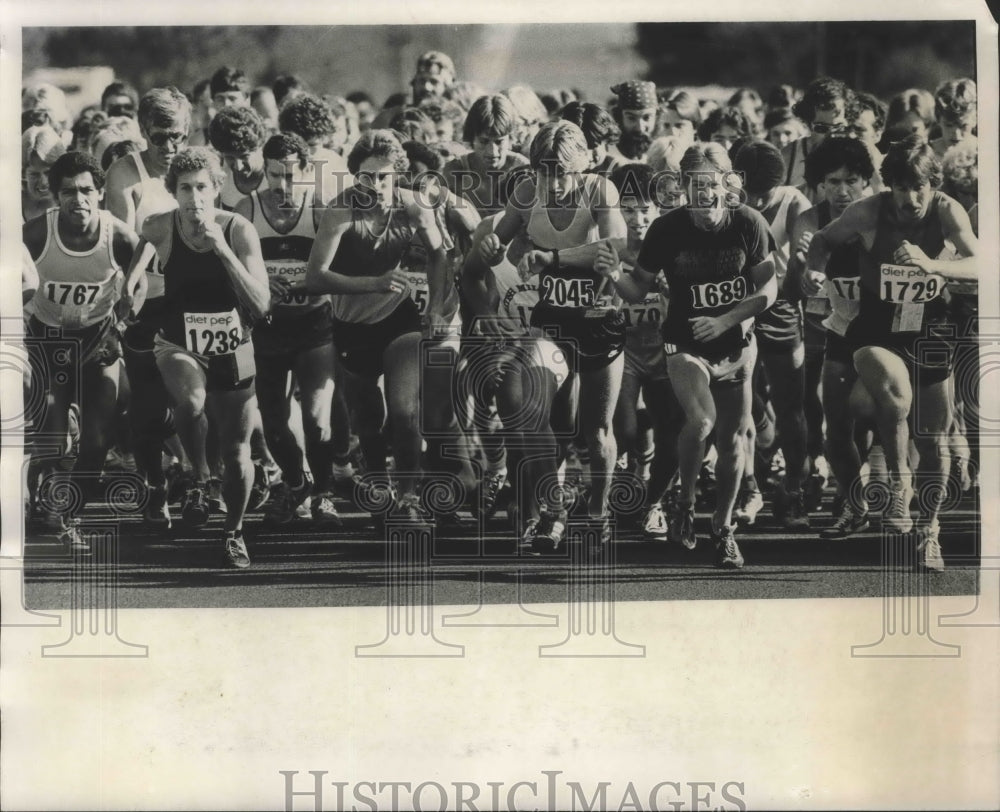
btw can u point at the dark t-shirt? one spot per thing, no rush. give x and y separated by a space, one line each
708 271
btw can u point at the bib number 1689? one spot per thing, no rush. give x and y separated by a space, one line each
719 294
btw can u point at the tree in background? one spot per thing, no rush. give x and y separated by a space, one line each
880 57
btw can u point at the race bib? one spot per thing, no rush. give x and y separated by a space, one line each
557 291
718 294
292 274
420 291
905 284
72 294
213 333
643 319
847 288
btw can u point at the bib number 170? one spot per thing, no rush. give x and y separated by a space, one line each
718 294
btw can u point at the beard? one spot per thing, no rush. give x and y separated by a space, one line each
634 146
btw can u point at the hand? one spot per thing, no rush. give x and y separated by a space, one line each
705 328
394 281
210 231
910 254
811 282
491 250
533 262
279 288
804 242
123 307
607 262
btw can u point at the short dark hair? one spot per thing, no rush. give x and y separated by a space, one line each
835 153
912 161
308 116
634 180
493 116
71 164
226 79
726 117
597 123
868 101
120 89
194 159
378 144
237 130
822 94
285 84
358 96
427 155
281 146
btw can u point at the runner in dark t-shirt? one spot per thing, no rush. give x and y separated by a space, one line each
716 258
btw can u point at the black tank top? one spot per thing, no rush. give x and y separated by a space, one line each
889 233
196 282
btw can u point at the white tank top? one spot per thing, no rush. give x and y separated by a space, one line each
777 220
286 254
153 199
77 289
582 229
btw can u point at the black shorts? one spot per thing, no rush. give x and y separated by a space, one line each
82 345
839 349
361 347
589 344
140 335
223 373
779 328
929 356
292 334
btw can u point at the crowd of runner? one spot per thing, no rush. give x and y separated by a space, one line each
278 300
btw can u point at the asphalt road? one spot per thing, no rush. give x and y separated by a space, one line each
298 565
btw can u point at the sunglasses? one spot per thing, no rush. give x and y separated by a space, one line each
122 110
827 129
160 139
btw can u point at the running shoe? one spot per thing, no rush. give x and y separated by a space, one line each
194 506
178 481
70 536
407 509
959 477
681 527
847 523
486 503
794 516
156 512
216 503
897 515
929 548
549 533
812 495
324 512
727 551
595 547
655 523
260 491
283 509
236 550
749 503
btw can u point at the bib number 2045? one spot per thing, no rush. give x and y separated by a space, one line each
719 294
554 290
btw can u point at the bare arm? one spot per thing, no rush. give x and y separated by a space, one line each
958 228
245 266
118 196
859 218
443 296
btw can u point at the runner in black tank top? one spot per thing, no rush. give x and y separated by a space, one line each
839 169
215 286
899 232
